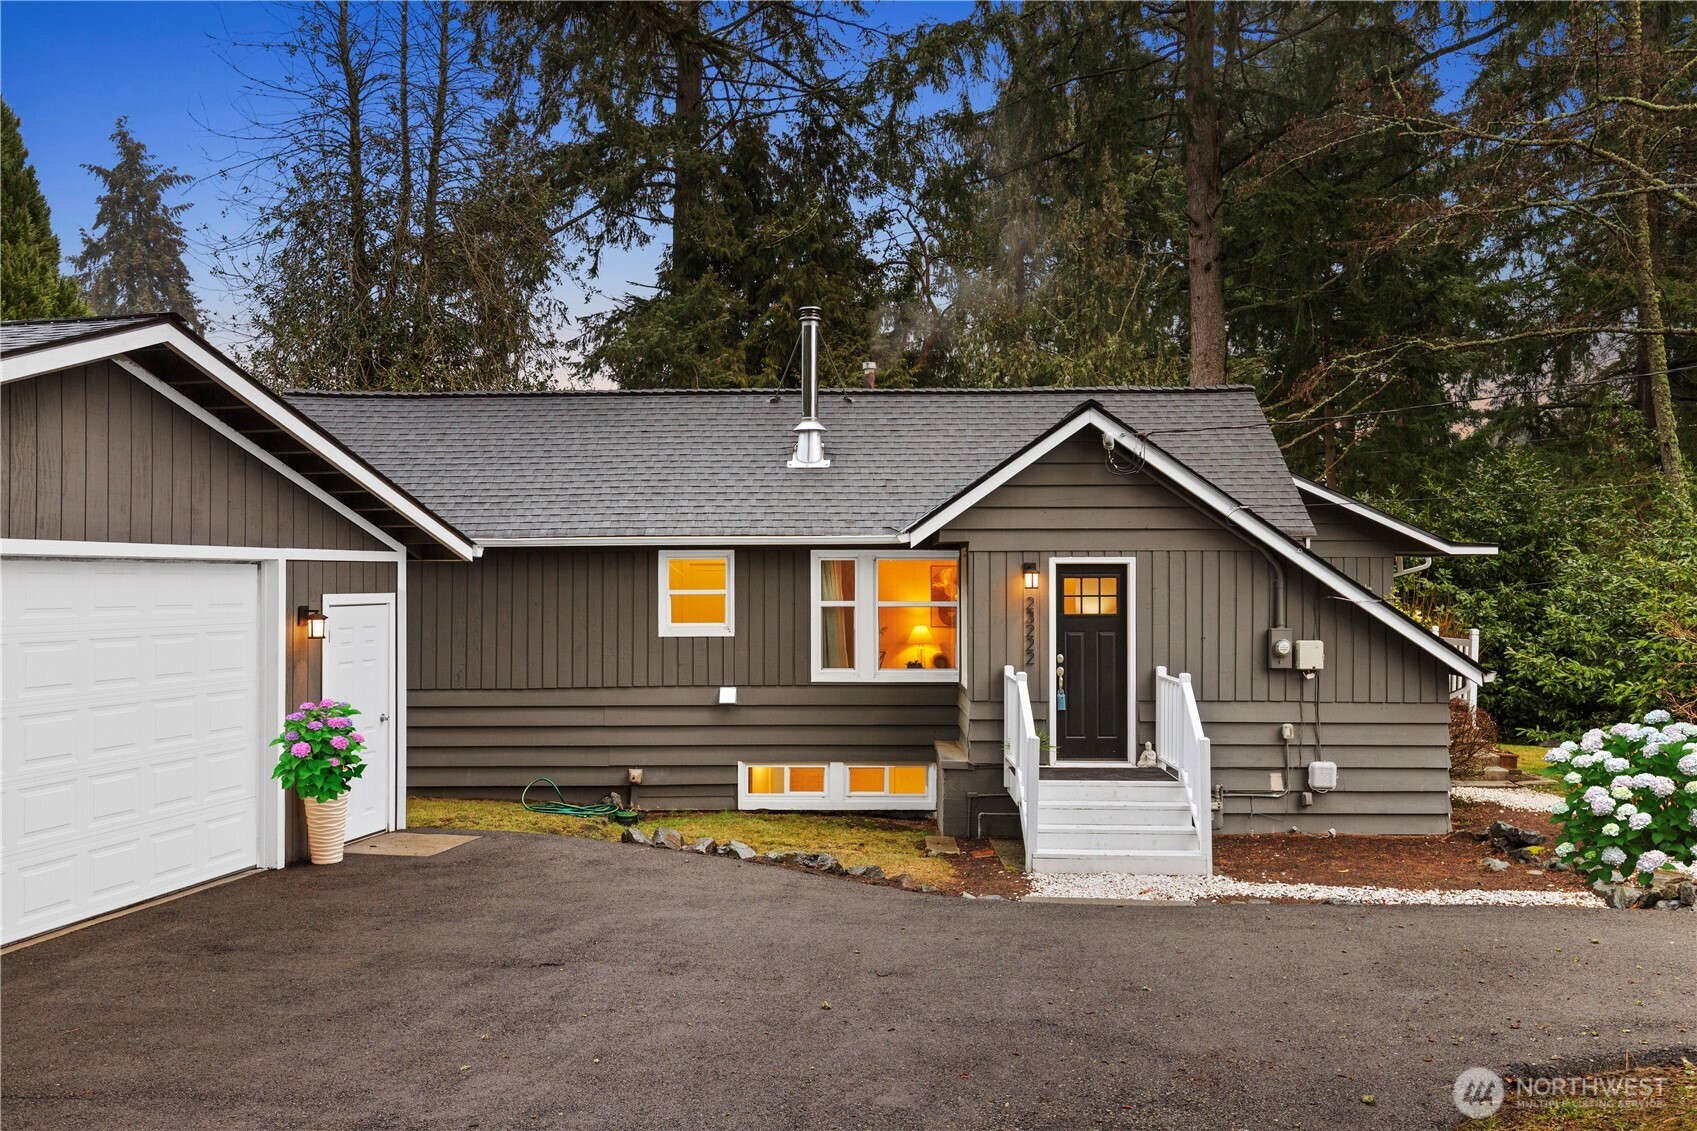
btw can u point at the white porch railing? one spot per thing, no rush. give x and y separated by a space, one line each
1186 751
1021 754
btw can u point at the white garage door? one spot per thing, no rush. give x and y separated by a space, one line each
130 758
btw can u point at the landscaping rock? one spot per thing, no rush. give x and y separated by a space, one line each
1688 894
790 857
1667 905
908 883
1505 836
702 846
634 835
668 838
867 872
822 862
613 799
941 846
1525 855
997 898
1494 864
1666 883
738 849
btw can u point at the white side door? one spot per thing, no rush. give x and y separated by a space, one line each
359 668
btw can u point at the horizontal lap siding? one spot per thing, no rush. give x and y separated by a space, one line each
1203 606
549 663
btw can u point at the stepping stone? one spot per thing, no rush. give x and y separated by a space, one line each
406 844
941 846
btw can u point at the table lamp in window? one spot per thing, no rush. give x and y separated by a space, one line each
920 637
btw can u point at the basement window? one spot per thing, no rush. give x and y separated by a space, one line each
886 616
836 785
697 593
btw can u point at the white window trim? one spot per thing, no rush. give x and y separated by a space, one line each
836 795
667 628
866 605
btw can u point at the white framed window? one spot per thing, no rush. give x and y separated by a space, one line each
836 785
892 615
697 593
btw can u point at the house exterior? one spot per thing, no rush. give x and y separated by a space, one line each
164 522
987 605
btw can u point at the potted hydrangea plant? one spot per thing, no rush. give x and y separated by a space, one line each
320 760
1630 804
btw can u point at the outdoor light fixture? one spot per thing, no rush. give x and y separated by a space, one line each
1031 575
313 620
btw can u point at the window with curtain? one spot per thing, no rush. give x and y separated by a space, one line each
886 616
697 593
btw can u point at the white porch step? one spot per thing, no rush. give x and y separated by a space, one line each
1153 862
1109 812
1119 838
1053 792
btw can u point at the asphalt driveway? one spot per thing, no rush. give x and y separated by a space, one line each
525 981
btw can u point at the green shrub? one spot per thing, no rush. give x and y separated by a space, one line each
1630 797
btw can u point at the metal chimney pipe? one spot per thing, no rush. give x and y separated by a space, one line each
809 434
869 373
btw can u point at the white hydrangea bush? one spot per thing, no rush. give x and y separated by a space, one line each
1630 798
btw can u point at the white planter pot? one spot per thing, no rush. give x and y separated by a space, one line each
326 828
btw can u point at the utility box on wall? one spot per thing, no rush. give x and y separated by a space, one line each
1310 655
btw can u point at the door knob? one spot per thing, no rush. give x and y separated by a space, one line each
384 717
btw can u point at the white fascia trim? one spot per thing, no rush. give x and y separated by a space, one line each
221 370
1425 538
149 379
54 548
83 352
691 541
1228 510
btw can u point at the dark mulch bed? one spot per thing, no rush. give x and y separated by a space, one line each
980 872
1439 863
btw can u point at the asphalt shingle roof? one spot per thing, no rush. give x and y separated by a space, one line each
16 337
711 464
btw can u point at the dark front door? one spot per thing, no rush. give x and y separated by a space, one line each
1090 658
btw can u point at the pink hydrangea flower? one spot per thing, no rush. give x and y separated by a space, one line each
292 735
308 706
294 716
339 742
338 722
335 761
300 749
314 724
357 737
327 703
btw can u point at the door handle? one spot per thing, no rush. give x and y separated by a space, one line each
384 717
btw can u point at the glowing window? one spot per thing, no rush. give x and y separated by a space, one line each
768 781
696 594
892 616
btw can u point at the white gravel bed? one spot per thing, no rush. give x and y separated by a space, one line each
1526 800
1106 885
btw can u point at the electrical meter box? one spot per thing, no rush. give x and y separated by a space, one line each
1310 655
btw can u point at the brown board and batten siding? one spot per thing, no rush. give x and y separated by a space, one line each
549 662
94 455
1203 605
1363 550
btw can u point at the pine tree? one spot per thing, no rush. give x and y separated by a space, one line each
30 283
134 262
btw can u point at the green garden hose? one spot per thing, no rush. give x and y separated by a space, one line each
560 808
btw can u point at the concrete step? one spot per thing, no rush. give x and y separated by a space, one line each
1171 862
1118 838
1121 813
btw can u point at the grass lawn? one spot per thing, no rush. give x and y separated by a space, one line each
1531 757
1675 1108
895 846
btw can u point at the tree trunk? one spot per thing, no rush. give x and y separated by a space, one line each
1203 132
687 264
1650 321
360 271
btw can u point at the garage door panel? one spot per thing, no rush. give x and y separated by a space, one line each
133 761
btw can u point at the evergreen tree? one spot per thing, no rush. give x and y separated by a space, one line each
133 264
30 283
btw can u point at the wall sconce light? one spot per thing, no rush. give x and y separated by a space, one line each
1032 577
313 620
